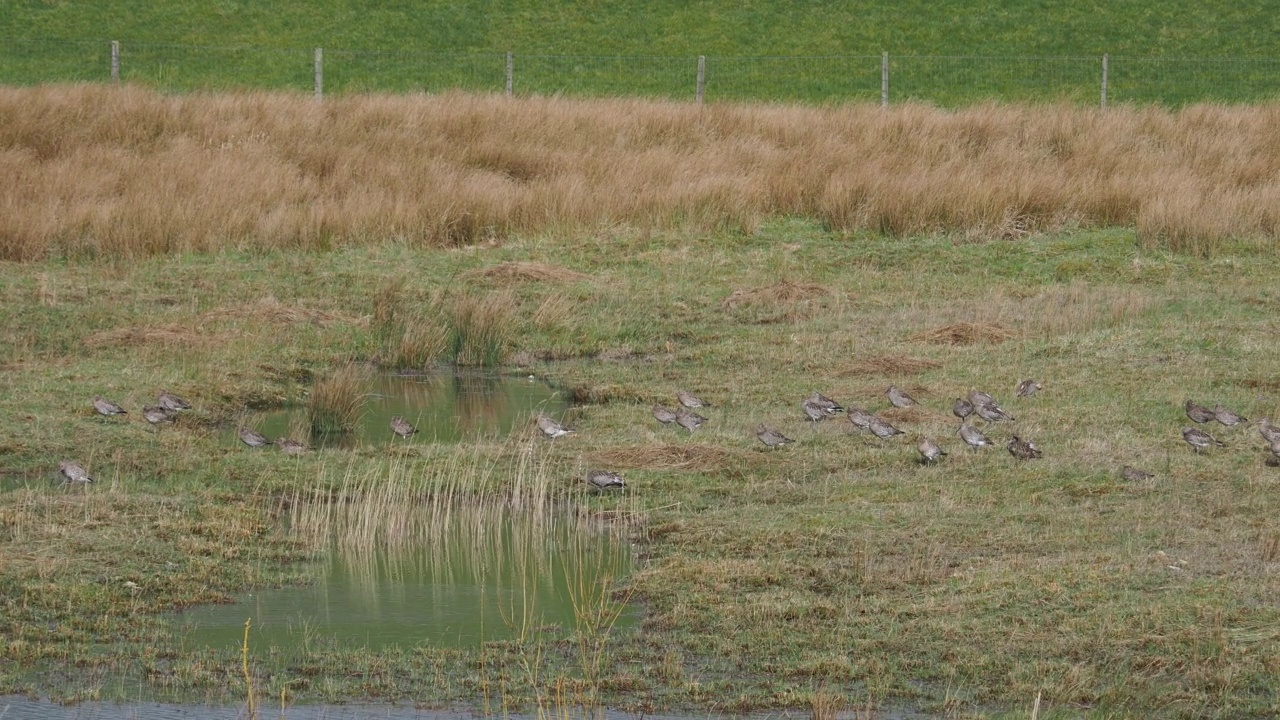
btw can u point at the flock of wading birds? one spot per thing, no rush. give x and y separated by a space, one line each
817 408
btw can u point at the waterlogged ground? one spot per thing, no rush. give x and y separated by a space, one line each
834 573
468 578
443 406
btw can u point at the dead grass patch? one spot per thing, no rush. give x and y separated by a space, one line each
1080 306
528 272
665 457
270 310
156 335
966 333
783 292
603 394
891 366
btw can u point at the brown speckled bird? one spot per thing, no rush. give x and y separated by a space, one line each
771 437
1023 449
961 408
1027 388
813 412
605 480
169 401
831 407
881 428
972 436
691 401
689 420
664 414
898 397
977 397
1199 439
1133 474
1226 417
929 450
291 447
73 473
551 428
859 417
402 427
1269 432
992 412
1199 413
106 408
253 438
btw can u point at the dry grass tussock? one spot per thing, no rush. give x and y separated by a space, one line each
103 171
783 292
966 333
528 272
665 457
270 310
169 335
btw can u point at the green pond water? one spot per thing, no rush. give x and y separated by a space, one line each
444 407
471 576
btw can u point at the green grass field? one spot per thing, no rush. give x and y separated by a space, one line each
815 52
837 571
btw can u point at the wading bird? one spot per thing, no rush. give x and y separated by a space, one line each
605 480
551 428
1027 388
898 397
73 473
771 437
1269 432
291 447
827 404
1199 413
169 401
664 414
1023 449
106 408
812 411
961 408
401 427
882 429
929 450
972 436
689 420
1199 439
1133 474
992 412
1226 417
156 415
859 417
253 438
691 401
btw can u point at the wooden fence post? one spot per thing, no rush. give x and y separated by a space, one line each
511 74
884 80
319 68
701 91
1104 81
115 61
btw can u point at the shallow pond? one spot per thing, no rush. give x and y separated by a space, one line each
469 576
444 407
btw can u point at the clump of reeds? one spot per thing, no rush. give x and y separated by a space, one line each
337 400
483 329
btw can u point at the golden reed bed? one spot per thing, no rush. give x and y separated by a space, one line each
91 171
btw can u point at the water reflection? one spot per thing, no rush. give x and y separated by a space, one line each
445 407
472 575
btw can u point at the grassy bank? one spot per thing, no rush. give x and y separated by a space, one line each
835 572
816 52
104 173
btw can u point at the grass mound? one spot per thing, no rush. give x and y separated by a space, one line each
269 309
666 457
528 272
966 333
156 335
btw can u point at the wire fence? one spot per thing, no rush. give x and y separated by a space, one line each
942 80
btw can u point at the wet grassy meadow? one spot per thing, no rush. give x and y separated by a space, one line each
745 254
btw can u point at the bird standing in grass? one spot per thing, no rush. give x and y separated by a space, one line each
169 401
551 428
1199 413
1226 417
664 414
1133 474
1269 432
882 429
401 427
156 415
73 473
691 401
1023 449
977 397
899 398
972 436
253 438
106 408
1199 439
859 417
1027 388
771 437
289 446
961 408
831 407
929 450
992 412
605 480
689 420
813 411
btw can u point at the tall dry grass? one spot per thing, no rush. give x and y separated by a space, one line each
92 170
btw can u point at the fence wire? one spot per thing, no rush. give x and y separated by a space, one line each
943 80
